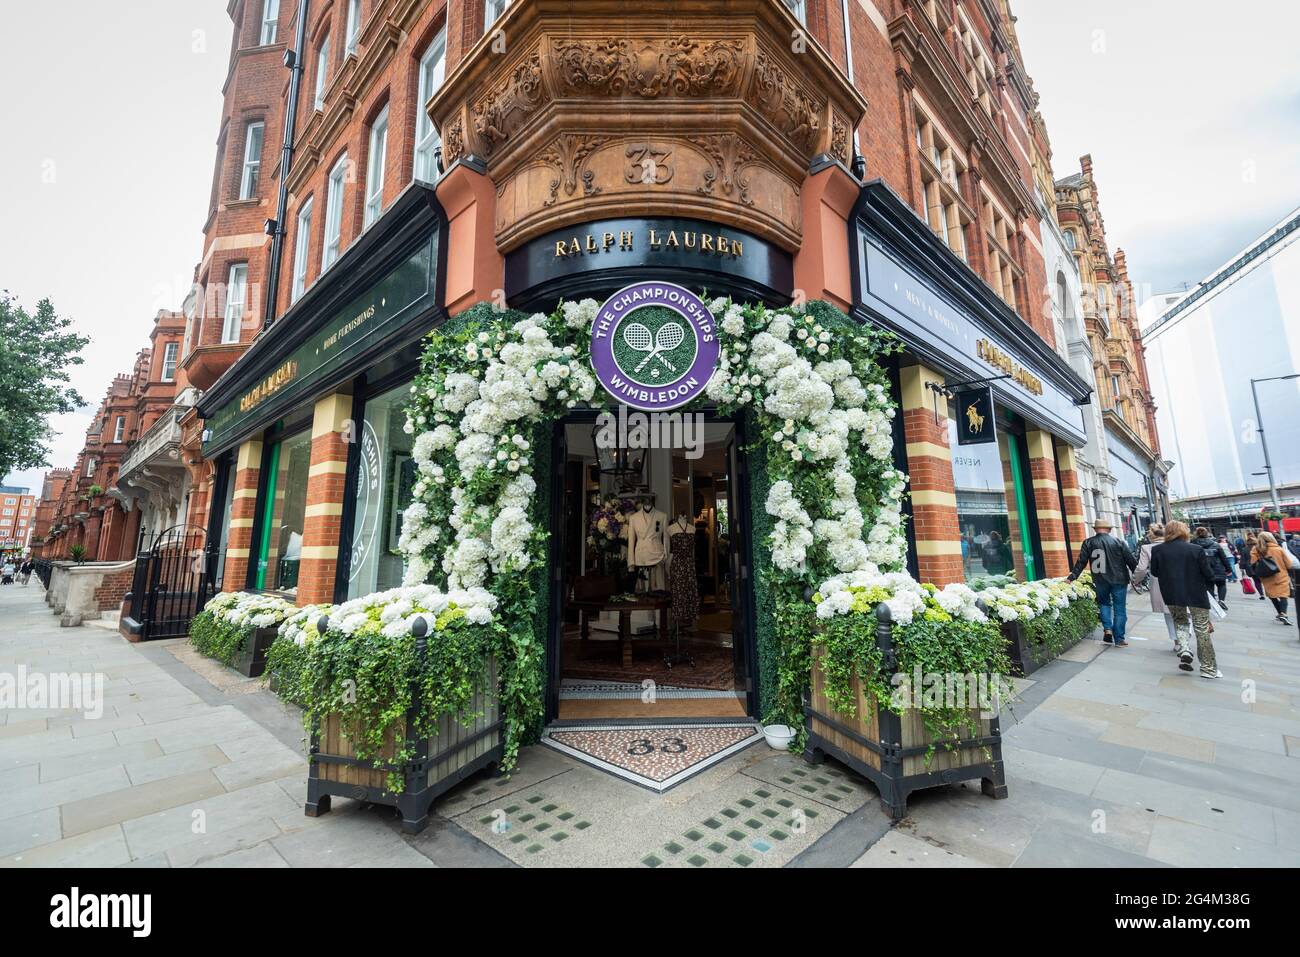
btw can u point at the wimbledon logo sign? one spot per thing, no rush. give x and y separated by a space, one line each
653 346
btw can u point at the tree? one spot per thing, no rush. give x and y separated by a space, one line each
36 351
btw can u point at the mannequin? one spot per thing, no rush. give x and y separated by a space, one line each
647 544
682 576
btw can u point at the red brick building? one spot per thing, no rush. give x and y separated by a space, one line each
443 152
18 508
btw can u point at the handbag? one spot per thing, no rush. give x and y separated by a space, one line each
1266 567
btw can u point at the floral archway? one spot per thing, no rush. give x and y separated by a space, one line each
827 499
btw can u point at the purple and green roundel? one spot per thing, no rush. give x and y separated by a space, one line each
654 346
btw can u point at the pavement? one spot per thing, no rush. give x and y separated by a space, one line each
1114 758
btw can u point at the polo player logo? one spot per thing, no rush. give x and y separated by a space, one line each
975 420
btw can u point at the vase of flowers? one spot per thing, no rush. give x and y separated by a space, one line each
607 532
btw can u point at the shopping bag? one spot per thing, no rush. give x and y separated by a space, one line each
1247 586
1218 609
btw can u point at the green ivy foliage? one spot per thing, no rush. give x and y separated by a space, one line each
217 639
1048 637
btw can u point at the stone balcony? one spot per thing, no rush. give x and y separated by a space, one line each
709 109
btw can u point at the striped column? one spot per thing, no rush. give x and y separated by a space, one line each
1068 465
323 523
1014 538
1047 502
243 507
929 465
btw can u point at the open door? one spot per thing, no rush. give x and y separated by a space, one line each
739 570
557 579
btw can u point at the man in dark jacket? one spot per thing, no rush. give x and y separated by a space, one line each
1110 561
1185 577
1218 565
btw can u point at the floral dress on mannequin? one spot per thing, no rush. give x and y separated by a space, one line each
681 574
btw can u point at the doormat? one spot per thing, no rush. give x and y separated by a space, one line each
714 666
577 689
655 756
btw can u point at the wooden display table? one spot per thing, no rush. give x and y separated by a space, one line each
624 607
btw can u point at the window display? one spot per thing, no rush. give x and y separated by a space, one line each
284 515
385 484
981 508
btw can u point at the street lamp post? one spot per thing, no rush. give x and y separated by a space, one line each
1263 440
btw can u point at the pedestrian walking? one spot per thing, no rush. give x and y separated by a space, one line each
25 571
1110 561
1248 563
1273 568
1230 556
7 572
1142 575
996 555
1185 577
1217 565
1293 545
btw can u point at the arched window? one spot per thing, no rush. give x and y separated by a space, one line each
1070 242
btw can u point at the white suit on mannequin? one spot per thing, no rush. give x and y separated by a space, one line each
647 545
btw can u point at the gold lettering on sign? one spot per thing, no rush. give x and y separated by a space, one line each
999 359
269 386
701 243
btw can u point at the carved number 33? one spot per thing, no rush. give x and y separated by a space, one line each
669 746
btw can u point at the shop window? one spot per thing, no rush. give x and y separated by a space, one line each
252 170
981 507
270 20
433 69
377 156
283 513
385 483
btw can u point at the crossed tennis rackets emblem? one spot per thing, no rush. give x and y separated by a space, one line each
666 339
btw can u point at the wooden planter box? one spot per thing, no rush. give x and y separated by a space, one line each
889 749
1026 656
448 757
251 660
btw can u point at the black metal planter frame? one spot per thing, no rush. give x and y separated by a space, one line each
419 790
891 779
251 657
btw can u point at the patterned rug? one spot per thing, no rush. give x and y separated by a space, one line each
714 665
655 756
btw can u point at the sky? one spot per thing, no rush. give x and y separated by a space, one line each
1191 112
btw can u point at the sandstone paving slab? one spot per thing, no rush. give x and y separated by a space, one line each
275 762
29 830
1049 848
159 766
19 777
1064 722
259 855
1220 812
53 793
1083 652
224 811
899 849
1259 762
1287 822
105 847
1184 844
1217 779
59 768
136 801
1082 708
1164 742
14 726
183 733
1258 738
200 849
85 727
357 834
171 710
1292 744
1054 770
1088 750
